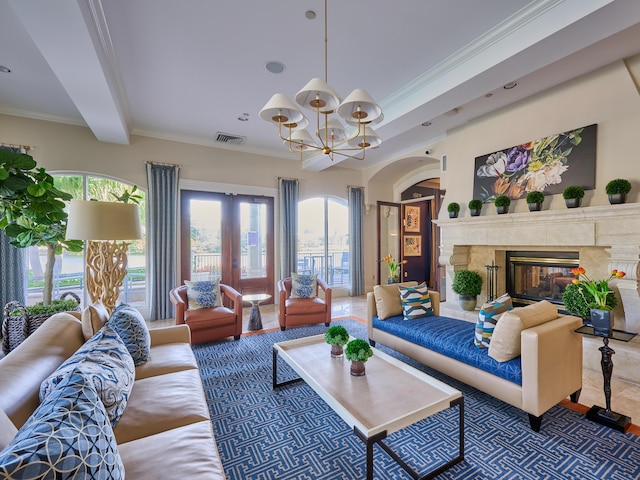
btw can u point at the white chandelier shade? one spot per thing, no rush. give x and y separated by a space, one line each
359 106
367 138
280 110
300 141
317 94
333 131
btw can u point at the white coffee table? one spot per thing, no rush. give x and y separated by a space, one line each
391 396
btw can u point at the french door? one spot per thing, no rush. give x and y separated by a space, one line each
227 236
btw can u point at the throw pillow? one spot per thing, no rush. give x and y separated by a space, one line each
505 343
130 325
387 298
416 302
203 294
93 319
68 436
487 319
7 429
303 286
105 361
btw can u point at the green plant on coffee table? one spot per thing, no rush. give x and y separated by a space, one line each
358 350
467 282
618 186
573 191
336 335
475 204
502 201
453 207
535 197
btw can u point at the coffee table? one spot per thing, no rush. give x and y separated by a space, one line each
391 396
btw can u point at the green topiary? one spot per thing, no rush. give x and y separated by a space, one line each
577 302
336 335
502 201
54 307
573 191
617 186
475 204
358 350
535 197
467 282
453 207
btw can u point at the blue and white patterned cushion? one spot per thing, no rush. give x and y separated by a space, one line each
130 325
487 319
107 364
68 436
203 294
303 286
416 302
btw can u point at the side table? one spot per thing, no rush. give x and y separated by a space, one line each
255 320
605 416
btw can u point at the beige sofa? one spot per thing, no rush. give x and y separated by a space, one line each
551 359
165 431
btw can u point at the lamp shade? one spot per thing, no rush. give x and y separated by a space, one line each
318 94
301 141
367 138
279 109
359 105
89 220
333 130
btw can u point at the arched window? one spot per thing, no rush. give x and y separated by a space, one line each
323 239
69 268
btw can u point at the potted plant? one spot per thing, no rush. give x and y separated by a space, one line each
502 204
453 208
534 201
475 207
617 190
358 351
468 285
394 268
336 336
573 196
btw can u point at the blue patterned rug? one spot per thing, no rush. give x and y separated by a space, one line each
292 433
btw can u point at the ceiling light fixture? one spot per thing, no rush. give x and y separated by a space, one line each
4 69
510 85
358 110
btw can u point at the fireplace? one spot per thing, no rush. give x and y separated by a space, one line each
532 276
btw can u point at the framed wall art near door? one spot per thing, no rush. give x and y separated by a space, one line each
411 218
412 245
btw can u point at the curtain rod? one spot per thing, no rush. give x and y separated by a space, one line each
287 178
355 186
165 164
26 147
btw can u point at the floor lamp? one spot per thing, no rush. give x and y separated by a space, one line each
102 224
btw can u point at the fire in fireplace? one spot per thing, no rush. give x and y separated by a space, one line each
532 276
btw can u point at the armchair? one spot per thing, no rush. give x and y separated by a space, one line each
303 311
209 324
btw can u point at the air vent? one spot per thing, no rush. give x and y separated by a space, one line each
229 138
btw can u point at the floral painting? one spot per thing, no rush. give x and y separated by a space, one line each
547 165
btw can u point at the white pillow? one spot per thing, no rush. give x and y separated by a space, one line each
303 286
203 294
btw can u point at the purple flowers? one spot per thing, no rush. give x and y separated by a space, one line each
518 158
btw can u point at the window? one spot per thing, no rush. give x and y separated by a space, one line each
323 239
68 275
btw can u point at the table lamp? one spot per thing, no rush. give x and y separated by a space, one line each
102 224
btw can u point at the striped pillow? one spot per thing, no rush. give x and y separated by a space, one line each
487 319
416 302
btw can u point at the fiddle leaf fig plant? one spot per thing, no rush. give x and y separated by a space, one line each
32 210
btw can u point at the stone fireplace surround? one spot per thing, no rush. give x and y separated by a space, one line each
606 237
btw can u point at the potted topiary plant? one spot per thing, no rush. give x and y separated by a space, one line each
617 190
534 201
453 208
502 204
336 336
475 207
573 196
468 285
358 351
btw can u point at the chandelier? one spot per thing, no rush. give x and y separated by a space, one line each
331 137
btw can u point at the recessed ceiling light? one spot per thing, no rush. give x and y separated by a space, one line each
244 117
275 67
426 124
510 85
4 69
310 14
488 95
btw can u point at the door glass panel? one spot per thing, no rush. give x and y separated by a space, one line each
337 243
389 221
253 240
206 239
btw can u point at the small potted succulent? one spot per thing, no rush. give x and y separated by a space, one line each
502 204
573 196
468 285
475 207
617 190
534 201
358 351
453 208
336 336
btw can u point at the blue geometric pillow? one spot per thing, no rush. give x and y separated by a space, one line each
416 302
303 286
68 436
105 361
203 294
488 318
129 324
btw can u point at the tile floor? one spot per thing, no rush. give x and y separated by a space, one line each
625 396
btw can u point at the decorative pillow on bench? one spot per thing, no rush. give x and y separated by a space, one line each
416 302
487 319
387 298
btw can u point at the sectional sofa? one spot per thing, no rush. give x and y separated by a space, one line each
163 432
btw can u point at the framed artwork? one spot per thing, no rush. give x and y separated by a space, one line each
547 165
412 245
411 218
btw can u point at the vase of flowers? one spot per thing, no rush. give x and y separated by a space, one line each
394 268
358 351
336 336
599 293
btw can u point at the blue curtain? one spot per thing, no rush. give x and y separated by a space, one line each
288 196
13 281
356 223
162 224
